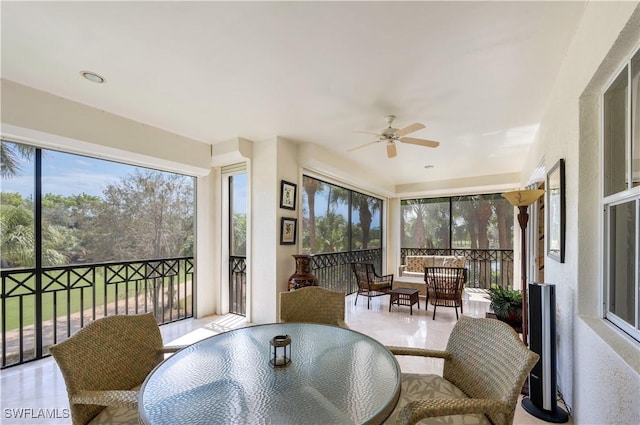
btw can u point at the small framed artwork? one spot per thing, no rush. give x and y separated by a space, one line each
288 229
555 206
288 195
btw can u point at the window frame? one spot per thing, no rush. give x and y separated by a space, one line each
451 201
350 210
626 195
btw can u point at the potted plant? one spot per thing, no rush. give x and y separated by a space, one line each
507 305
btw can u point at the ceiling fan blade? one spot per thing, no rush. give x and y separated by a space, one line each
391 150
420 142
362 146
409 129
368 132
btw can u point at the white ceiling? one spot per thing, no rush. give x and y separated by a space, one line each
478 74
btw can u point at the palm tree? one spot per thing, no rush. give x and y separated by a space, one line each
504 217
17 236
310 187
17 241
9 154
418 208
367 207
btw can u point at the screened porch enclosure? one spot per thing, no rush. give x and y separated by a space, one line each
84 238
91 253
341 225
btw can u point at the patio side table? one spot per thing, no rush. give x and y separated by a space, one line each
404 296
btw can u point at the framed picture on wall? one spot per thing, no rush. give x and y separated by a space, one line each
288 230
555 206
288 195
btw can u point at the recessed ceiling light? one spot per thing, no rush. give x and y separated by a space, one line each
92 76
429 166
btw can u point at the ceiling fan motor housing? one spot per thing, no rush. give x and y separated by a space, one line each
389 132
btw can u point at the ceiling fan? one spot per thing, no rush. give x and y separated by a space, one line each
391 135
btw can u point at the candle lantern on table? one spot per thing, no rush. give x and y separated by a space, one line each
280 351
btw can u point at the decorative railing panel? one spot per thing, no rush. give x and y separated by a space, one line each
41 309
487 267
238 285
333 270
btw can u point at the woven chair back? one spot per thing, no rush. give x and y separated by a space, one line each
312 304
445 285
111 353
365 274
488 360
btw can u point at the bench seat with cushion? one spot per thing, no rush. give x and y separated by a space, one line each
415 264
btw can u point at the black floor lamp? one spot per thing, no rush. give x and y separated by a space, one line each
522 199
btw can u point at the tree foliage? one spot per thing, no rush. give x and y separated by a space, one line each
148 214
425 223
472 222
17 234
239 234
10 154
325 224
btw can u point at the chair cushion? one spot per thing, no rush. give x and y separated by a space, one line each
416 263
117 415
454 262
379 286
417 387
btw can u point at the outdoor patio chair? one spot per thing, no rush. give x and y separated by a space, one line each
485 367
313 304
105 363
370 284
444 287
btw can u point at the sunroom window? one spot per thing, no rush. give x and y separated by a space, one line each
621 197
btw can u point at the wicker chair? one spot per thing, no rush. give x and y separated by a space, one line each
104 364
445 286
313 304
485 367
371 284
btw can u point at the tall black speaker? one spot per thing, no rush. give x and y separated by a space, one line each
542 401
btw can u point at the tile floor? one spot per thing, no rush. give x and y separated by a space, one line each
38 388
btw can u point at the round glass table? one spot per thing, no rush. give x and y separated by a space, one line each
336 375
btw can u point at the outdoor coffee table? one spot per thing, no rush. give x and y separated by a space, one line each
404 296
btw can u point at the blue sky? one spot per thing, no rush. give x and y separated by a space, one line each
67 174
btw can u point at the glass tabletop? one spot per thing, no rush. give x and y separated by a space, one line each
336 375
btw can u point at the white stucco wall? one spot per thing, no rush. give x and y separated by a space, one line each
596 368
270 263
208 262
263 257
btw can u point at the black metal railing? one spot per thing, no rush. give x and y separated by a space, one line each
41 308
486 267
333 270
238 285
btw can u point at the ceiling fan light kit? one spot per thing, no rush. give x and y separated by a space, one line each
392 135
